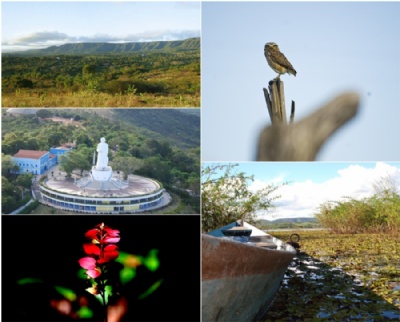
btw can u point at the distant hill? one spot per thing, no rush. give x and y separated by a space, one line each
112 48
290 223
180 126
285 220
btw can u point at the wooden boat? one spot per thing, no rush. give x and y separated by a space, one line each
241 278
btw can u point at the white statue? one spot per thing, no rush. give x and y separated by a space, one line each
102 154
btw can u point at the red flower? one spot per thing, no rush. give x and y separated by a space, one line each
91 249
101 250
109 253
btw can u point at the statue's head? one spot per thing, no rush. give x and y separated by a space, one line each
102 140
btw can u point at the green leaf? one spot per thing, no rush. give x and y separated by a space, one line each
151 289
66 292
151 261
84 312
29 280
127 274
82 274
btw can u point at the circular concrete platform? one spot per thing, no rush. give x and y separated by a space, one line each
137 194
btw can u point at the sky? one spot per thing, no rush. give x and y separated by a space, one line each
310 184
32 25
334 46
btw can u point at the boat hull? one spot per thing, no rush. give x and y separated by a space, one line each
239 281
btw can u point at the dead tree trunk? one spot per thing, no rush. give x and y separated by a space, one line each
275 99
301 141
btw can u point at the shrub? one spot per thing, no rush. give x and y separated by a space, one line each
379 213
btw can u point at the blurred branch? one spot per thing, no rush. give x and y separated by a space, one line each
302 141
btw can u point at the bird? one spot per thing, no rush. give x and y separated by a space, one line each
277 61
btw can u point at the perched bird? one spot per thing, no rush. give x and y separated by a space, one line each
277 61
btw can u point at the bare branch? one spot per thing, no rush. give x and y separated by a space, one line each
303 140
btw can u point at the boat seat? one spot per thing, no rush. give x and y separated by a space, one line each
263 241
269 245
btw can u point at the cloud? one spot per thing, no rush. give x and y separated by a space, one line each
43 39
42 36
302 199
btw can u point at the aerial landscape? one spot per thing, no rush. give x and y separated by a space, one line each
141 143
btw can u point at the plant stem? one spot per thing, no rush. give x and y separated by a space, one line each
103 296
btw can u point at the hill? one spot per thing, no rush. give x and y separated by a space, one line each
292 223
178 126
286 220
190 44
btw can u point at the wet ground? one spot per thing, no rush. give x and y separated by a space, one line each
358 280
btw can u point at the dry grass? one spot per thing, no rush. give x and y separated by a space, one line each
28 98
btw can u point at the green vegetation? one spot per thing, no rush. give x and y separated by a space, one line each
379 213
226 197
340 277
73 76
27 210
137 149
15 189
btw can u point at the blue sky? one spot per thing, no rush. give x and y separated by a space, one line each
334 46
31 25
309 184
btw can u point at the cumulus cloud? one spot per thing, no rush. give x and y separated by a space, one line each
43 39
302 199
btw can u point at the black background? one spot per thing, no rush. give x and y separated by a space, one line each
49 247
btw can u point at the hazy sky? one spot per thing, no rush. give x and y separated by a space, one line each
30 25
334 46
312 183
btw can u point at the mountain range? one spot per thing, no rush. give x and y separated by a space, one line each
190 44
286 220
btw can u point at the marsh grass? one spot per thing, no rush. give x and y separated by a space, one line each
340 277
377 214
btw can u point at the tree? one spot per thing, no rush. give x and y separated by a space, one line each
54 138
24 83
44 113
128 165
88 69
194 183
83 138
24 180
66 164
8 167
9 196
76 160
226 197
151 147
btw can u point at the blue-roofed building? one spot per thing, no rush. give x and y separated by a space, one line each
61 150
